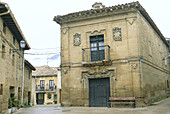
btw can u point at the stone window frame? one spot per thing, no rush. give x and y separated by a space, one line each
94 33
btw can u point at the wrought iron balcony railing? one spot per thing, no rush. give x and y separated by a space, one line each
47 88
96 54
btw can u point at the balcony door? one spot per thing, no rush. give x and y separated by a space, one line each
97 48
51 84
42 84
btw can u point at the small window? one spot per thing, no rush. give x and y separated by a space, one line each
19 61
3 50
13 40
49 96
4 27
167 84
1 89
12 91
13 59
29 75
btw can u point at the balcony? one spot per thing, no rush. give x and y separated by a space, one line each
96 56
45 89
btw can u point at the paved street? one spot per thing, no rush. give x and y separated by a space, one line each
162 107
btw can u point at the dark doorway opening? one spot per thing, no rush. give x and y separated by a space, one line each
29 98
40 98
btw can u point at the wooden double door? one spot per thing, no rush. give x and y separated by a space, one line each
99 92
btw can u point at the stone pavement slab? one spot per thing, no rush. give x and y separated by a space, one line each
162 107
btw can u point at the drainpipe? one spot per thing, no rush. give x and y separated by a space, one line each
22 93
7 7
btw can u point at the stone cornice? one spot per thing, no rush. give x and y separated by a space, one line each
107 11
94 13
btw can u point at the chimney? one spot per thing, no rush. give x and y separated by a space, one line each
97 5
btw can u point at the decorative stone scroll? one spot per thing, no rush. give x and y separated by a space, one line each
117 35
134 66
95 73
77 39
131 20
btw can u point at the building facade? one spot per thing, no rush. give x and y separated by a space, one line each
45 85
27 93
115 51
11 58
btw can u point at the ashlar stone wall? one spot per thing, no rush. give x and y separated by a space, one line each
10 67
135 65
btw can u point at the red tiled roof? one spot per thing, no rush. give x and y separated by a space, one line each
45 71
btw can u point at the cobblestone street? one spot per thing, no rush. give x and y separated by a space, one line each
162 107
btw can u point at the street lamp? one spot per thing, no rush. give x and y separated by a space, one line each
22 45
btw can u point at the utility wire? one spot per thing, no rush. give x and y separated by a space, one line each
45 48
41 53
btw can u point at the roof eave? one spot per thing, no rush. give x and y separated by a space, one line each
30 65
72 16
15 24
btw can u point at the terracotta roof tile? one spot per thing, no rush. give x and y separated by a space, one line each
45 71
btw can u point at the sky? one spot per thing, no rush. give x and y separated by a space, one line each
35 18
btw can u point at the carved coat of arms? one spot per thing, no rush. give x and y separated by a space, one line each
77 39
117 35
